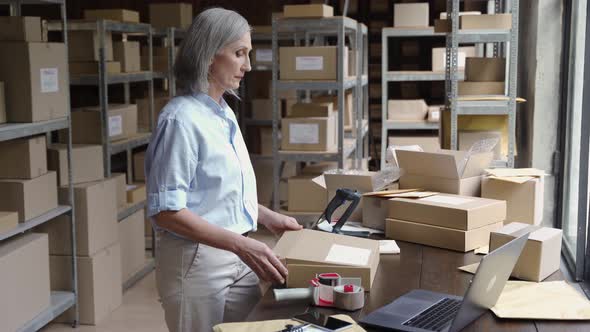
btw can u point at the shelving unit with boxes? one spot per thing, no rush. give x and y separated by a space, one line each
334 79
34 107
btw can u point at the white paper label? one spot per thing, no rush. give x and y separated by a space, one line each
460 55
49 80
304 133
264 55
115 125
348 255
435 115
131 187
446 200
309 63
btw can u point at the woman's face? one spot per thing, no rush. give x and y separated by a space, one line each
230 65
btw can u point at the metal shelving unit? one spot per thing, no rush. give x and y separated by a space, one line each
341 27
171 35
60 301
453 102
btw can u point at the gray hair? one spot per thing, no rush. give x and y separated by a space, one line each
210 32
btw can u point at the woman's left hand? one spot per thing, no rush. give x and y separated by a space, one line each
279 223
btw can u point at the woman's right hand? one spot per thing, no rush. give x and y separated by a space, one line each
262 260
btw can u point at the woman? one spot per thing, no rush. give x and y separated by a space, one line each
202 189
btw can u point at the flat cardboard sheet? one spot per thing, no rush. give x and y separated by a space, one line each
483 250
471 268
510 172
493 98
273 325
553 300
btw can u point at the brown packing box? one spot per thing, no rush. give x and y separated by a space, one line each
23 158
138 166
407 110
480 88
37 73
466 139
2 104
122 15
427 143
85 46
308 252
120 188
439 57
439 171
127 53
410 15
486 22
266 141
30 198
311 110
136 193
132 235
264 177
159 63
261 109
86 123
24 263
524 200
313 10
160 51
310 63
21 28
143 110
485 69
91 68
87 163
374 212
309 134
450 211
96 219
440 237
306 195
8 220
348 106
541 254
164 15
99 283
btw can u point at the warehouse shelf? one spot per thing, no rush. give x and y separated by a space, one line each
349 83
34 2
94 25
483 36
160 75
149 266
59 303
487 107
327 25
256 122
411 32
409 125
117 78
349 148
130 143
171 34
130 209
415 76
45 217
10 131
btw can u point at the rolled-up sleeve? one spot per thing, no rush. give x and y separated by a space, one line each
172 168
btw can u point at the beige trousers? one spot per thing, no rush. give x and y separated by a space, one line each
201 286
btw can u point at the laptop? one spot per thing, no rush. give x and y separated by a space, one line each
422 310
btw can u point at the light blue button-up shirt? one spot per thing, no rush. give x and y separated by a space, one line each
197 159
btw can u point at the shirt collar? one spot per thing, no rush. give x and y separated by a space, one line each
207 100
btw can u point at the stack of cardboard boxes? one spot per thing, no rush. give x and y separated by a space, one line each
86 124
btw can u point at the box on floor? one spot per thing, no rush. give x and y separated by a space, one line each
29 197
23 158
87 163
541 254
132 232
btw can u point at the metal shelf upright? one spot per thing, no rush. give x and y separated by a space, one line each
341 27
60 301
171 35
453 102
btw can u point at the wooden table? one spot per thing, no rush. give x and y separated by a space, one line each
421 267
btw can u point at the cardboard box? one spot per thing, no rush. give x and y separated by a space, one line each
348 106
440 171
143 110
449 211
427 143
311 110
309 134
441 237
475 123
465 139
486 22
523 196
434 113
91 68
308 252
313 10
99 283
8 220
541 254
485 69
120 188
21 28
374 212
123 15
38 82
261 109
2 104
439 56
136 193
164 15
96 219
443 15
24 263
158 50
411 15
23 158
86 128
306 195
264 177
138 166
262 55
132 233
85 46
127 53
480 88
30 198
407 110
87 163
311 63
266 141
159 63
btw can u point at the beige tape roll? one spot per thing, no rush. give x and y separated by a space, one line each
349 300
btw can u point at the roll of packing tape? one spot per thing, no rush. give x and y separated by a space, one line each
349 297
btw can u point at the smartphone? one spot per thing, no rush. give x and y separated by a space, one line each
323 322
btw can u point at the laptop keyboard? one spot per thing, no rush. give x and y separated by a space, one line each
436 317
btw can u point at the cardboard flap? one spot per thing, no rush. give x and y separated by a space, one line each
389 192
514 228
513 172
440 164
320 181
362 181
477 163
514 179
